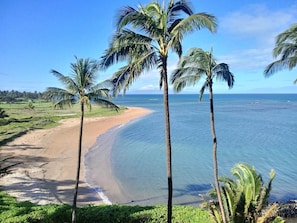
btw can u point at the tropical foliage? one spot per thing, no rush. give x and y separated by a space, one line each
143 38
80 88
17 96
285 50
196 65
245 198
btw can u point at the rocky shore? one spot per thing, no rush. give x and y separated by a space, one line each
288 209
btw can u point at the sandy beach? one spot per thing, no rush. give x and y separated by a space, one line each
49 161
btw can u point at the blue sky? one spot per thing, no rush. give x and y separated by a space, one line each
37 36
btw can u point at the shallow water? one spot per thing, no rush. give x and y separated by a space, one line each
256 129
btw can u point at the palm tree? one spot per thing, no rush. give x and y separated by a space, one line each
286 48
80 88
144 37
245 198
191 68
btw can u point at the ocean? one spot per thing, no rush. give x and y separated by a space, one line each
257 129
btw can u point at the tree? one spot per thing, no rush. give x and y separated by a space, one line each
245 197
80 88
191 68
143 38
286 49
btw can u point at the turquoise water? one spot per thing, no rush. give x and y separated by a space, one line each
260 130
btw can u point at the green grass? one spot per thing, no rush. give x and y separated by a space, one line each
21 119
12 211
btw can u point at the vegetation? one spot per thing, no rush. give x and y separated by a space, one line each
286 49
143 38
17 96
80 88
22 120
12 211
245 198
192 68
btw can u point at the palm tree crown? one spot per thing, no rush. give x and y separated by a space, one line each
197 64
80 86
286 49
145 35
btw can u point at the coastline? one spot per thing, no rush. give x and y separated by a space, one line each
49 161
98 172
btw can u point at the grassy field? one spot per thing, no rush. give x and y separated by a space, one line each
12 211
23 117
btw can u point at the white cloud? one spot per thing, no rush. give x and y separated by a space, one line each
248 59
258 21
253 30
149 87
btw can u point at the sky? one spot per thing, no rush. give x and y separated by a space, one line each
37 36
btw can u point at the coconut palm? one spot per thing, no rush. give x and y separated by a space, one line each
80 87
286 49
143 38
245 197
198 64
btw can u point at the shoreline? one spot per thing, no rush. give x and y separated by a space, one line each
98 160
49 160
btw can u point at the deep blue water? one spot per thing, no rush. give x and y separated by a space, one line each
260 130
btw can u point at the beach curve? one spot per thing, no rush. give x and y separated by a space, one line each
49 160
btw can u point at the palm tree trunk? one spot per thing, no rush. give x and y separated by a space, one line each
168 142
214 148
78 163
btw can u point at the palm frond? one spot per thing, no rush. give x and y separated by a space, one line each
223 73
84 73
67 81
126 75
123 44
276 66
181 6
194 22
286 50
106 103
64 103
197 63
59 94
188 76
288 35
270 212
202 89
123 16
